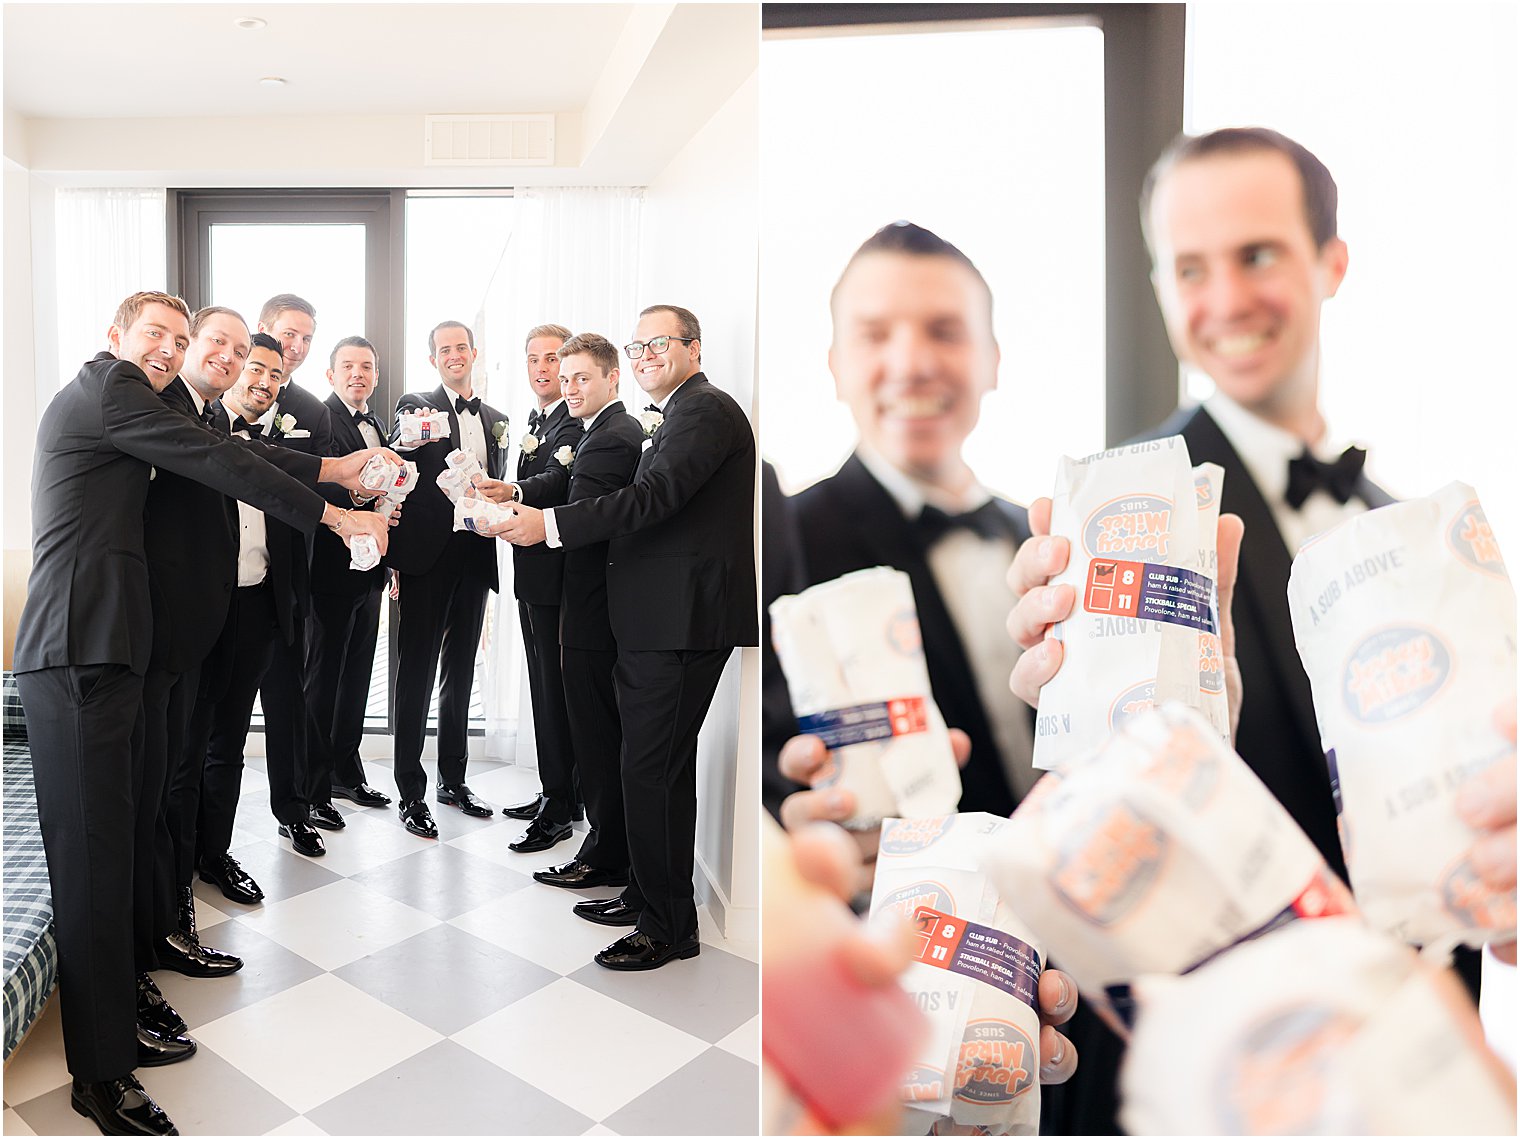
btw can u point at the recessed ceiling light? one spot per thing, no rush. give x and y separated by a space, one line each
249 23
272 81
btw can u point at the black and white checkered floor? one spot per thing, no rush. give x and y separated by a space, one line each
404 987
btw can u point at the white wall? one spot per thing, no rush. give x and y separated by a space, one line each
20 404
700 252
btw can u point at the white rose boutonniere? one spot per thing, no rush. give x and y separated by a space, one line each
530 443
650 421
286 426
565 456
499 431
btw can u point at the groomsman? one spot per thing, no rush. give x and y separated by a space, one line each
345 606
537 579
83 646
605 459
681 597
443 577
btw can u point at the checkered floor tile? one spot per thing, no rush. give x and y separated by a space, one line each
405 987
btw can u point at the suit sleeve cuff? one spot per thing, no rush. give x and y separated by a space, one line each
551 530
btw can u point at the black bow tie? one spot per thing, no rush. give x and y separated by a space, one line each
254 429
462 405
208 415
986 520
654 409
535 420
367 417
1306 474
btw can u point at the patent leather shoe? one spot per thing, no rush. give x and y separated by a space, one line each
363 794
223 872
607 911
304 839
418 819
637 950
576 875
154 1050
540 835
326 816
120 1107
183 953
459 795
525 811
154 1012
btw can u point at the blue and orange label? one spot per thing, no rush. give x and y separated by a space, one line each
978 951
864 723
1150 592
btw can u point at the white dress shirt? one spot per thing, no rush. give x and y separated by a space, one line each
472 432
366 429
253 537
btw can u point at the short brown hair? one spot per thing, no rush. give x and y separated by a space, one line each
131 308
599 348
1320 193
553 331
437 328
284 302
202 315
687 320
351 342
906 239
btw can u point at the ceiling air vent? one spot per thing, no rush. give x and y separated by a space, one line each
489 140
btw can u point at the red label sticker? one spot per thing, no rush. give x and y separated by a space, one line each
1114 587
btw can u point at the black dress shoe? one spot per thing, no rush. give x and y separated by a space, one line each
326 816
525 811
637 950
459 795
120 1107
418 819
304 838
576 875
540 835
154 1012
607 911
223 872
183 953
578 813
363 794
154 1050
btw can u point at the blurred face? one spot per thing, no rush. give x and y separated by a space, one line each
256 390
912 357
543 369
217 355
156 342
586 389
453 357
294 331
353 375
661 374
1239 279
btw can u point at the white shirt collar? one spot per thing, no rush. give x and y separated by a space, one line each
200 404
351 407
1263 447
912 495
586 423
551 409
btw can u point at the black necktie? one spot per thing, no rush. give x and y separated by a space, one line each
535 419
986 520
254 429
1306 474
462 405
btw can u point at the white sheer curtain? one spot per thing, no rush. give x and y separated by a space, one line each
571 259
110 244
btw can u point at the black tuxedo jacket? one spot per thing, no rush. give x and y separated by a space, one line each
1278 734
605 460
88 599
329 556
681 563
428 517
850 522
311 415
538 571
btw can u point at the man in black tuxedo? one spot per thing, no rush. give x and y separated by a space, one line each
605 459
681 597
537 578
912 356
443 577
84 644
345 605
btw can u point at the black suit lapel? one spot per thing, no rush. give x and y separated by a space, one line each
606 414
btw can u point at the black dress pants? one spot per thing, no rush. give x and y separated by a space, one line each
663 697
591 700
340 654
551 722
168 705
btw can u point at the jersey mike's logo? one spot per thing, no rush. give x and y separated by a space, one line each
904 635
1203 488
1472 540
1186 766
996 1063
909 836
1138 527
1130 703
1107 864
1276 1079
1210 663
1394 672
908 900
923 1084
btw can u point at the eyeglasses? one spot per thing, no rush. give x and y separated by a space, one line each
656 344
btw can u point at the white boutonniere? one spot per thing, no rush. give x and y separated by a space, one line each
499 430
285 424
565 456
530 443
650 421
